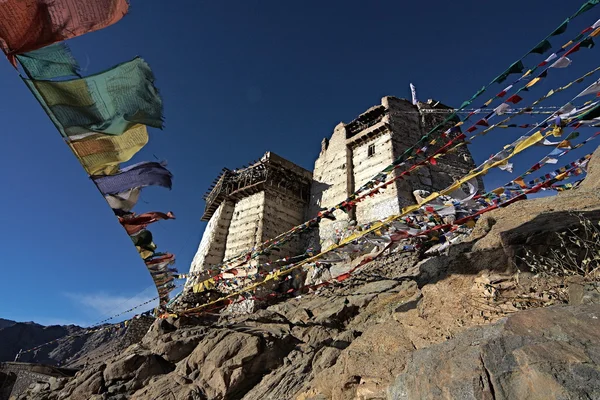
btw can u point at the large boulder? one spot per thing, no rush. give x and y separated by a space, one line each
227 363
501 235
546 353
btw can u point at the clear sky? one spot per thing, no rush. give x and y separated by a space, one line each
239 78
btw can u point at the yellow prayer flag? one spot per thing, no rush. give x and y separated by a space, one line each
69 93
530 141
487 103
410 209
498 191
595 33
143 252
519 181
556 131
101 154
568 44
527 73
533 82
561 176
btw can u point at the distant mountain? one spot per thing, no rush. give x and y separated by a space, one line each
6 322
69 343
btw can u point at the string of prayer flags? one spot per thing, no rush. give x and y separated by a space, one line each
54 61
566 186
103 117
101 154
110 102
139 175
27 25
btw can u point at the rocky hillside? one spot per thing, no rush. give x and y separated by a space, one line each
483 321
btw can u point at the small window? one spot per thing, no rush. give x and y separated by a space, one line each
371 150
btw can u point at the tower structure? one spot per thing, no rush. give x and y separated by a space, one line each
360 149
250 205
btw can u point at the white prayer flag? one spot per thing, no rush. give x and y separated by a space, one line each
562 62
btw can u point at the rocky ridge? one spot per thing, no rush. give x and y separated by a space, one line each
471 324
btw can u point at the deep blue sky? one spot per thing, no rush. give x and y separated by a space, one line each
239 78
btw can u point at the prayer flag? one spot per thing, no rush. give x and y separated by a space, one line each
110 102
136 176
586 7
124 201
101 154
54 61
27 25
542 47
502 109
136 223
547 60
561 29
562 62
592 89
515 98
533 82
516 67
572 135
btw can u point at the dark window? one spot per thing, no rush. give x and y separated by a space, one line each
371 150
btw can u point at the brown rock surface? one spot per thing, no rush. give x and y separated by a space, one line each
546 353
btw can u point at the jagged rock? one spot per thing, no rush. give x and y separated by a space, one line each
546 353
226 363
176 350
169 388
93 385
139 367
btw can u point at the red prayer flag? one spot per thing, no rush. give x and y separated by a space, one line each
573 50
515 98
134 224
27 25
482 122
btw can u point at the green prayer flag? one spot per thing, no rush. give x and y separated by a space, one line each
110 102
572 135
54 61
516 67
465 104
588 43
561 29
478 93
542 47
586 7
